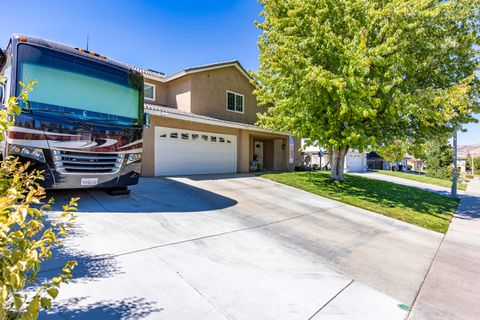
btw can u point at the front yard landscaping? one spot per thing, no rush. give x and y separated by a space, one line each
421 178
423 208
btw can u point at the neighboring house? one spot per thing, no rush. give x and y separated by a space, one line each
202 121
462 164
376 162
415 164
355 161
313 155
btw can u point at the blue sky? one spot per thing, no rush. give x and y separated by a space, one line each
164 35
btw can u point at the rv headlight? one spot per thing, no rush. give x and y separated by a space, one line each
134 157
29 152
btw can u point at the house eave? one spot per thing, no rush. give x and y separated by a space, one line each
235 125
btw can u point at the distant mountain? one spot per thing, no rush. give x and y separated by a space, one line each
473 149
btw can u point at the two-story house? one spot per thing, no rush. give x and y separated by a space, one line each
202 120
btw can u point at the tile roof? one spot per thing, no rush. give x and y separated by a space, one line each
216 65
187 115
170 112
149 72
162 77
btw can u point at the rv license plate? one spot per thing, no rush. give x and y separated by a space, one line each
89 181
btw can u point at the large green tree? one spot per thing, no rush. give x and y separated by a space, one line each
364 73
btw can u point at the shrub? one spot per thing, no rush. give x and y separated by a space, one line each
469 176
25 239
439 161
441 173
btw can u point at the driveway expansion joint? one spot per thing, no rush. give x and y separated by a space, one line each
204 237
229 232
331 299
426 275
190 284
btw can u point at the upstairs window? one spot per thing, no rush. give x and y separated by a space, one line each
235 102
149 91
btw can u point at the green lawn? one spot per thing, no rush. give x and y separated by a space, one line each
423 208
421 178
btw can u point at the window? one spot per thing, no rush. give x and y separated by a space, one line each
205 137
185 136
194 136
221 139
213 139
174 135
149 91
235 102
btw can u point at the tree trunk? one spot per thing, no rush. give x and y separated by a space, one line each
337 159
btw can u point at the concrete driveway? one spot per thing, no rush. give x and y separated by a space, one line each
236 247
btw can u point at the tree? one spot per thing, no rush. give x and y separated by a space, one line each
476 163
25 238
364 73
439 161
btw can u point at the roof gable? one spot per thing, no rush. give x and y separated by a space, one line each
155 75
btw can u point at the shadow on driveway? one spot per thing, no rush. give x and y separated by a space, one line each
130 308
151 195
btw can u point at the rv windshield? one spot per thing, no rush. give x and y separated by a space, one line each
83 88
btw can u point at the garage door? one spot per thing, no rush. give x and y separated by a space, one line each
180 152
355 162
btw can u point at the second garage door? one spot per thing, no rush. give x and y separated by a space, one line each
181 152
355 162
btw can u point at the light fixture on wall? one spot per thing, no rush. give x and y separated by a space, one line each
257 146
283 146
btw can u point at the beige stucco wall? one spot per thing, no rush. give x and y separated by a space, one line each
160 92
205 93
245 139
179 93
209 94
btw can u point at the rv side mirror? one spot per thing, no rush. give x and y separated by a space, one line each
146 120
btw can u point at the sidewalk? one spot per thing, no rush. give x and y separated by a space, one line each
406 182
452 287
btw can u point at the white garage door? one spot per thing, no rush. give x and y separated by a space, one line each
355 162
179 152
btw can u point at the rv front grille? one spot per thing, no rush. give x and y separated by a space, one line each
68 162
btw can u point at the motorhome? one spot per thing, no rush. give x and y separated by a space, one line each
82 123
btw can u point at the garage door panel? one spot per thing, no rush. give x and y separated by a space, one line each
355 163
179 151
